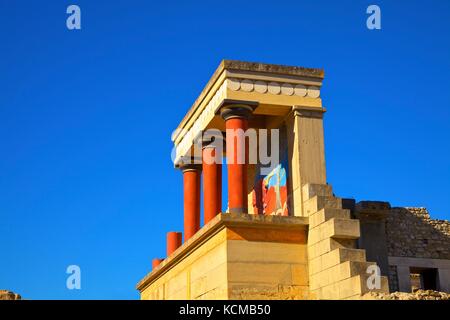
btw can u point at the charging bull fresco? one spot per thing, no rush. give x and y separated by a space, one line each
270 192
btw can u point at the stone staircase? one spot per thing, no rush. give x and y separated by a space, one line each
337 269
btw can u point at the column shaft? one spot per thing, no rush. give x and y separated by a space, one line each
173 241
237 171
156 262
236 123
212 184
191 186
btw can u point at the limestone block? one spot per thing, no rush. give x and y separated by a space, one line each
314 294
314 236
357 285
296 201
350 288
213 279
213 258
328 245
348 269
156 294
239 291
320 279
329 292
299 273
338 273
176 285
312 189
317 203
266 252
181 294
260 273
326 214
334 228
340 255
342 228
315 265
219 293
292 235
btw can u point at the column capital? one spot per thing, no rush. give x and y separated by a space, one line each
189 164
230 109
190 167
308 112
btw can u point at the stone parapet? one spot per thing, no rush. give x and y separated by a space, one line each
236 256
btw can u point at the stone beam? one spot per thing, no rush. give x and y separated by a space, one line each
274 88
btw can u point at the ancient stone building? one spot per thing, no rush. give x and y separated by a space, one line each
284 233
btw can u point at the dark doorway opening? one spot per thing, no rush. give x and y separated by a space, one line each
424 278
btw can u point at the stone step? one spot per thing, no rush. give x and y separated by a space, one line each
351 288
334 228
334 258
310 190
317 203
358 285
328 245
326 214
349 269
338 273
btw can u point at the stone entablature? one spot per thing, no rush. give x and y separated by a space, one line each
274 88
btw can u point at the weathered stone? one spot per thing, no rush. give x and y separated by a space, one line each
417 295
9 295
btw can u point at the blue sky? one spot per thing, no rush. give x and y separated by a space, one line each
86 117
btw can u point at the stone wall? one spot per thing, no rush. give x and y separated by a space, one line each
236 256
405 236
9 295
412 233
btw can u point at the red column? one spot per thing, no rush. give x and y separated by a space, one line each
212 182
236 118
191 186
173 241
156 262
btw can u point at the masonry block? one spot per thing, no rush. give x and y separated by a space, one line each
357 285
328 245
310 190
342 228
340 255
317 203
326 214
334 228
319 280
348 269
315 265
329 292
